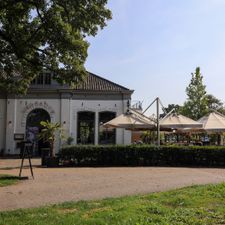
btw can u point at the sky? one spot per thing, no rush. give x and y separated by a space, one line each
153 46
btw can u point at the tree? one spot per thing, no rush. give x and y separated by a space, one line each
46 35
48 134
177 108
196 105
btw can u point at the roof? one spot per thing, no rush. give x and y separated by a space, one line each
131 120
94 82
177 121
213 122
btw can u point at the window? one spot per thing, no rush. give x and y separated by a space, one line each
86 127
106 135
47 78
42 79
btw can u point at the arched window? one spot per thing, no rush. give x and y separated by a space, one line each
106 135
86 127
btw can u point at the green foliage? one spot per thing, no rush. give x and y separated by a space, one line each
176 107
150 137
49 35
197 205
69 140
199 103
143 155
48 134
196 105
215 104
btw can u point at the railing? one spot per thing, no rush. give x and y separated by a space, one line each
136 105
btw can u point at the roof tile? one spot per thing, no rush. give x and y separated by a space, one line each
94 82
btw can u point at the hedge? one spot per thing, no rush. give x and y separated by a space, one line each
143 155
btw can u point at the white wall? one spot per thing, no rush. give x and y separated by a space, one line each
2 123
61 110
117 106
17 111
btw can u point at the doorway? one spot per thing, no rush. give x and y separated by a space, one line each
33 128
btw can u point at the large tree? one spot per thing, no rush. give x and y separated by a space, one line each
196 105
38 35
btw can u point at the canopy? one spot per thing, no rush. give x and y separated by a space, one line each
131 120
214 122
178 121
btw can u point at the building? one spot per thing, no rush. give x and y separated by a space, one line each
81 111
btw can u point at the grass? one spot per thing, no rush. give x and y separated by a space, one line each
6 180
193 205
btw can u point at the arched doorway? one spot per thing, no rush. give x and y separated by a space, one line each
86 127
33 128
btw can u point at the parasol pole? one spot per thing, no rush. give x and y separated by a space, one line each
158 125
149 106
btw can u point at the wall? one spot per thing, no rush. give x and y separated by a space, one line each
117 106
17 111
63 110
2 123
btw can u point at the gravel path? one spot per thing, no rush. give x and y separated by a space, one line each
73 184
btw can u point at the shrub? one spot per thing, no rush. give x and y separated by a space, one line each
143 155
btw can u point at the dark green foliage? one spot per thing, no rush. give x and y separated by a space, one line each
49 35
143 155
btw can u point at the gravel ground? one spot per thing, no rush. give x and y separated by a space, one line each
73 184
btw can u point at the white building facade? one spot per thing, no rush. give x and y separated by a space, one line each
80 111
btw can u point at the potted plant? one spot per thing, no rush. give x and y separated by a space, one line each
48 134
69 140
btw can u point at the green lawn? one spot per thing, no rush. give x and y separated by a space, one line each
6 180
193 205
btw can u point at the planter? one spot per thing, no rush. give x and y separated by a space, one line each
52 162
45 153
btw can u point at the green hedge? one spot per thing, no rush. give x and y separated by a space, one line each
143 155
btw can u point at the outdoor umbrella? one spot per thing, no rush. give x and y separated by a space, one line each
214 122
178 121
131 120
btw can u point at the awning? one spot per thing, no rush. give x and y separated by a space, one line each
178 121
214 122
131 120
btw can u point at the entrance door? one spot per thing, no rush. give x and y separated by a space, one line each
33 128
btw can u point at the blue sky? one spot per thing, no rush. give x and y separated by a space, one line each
153 46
